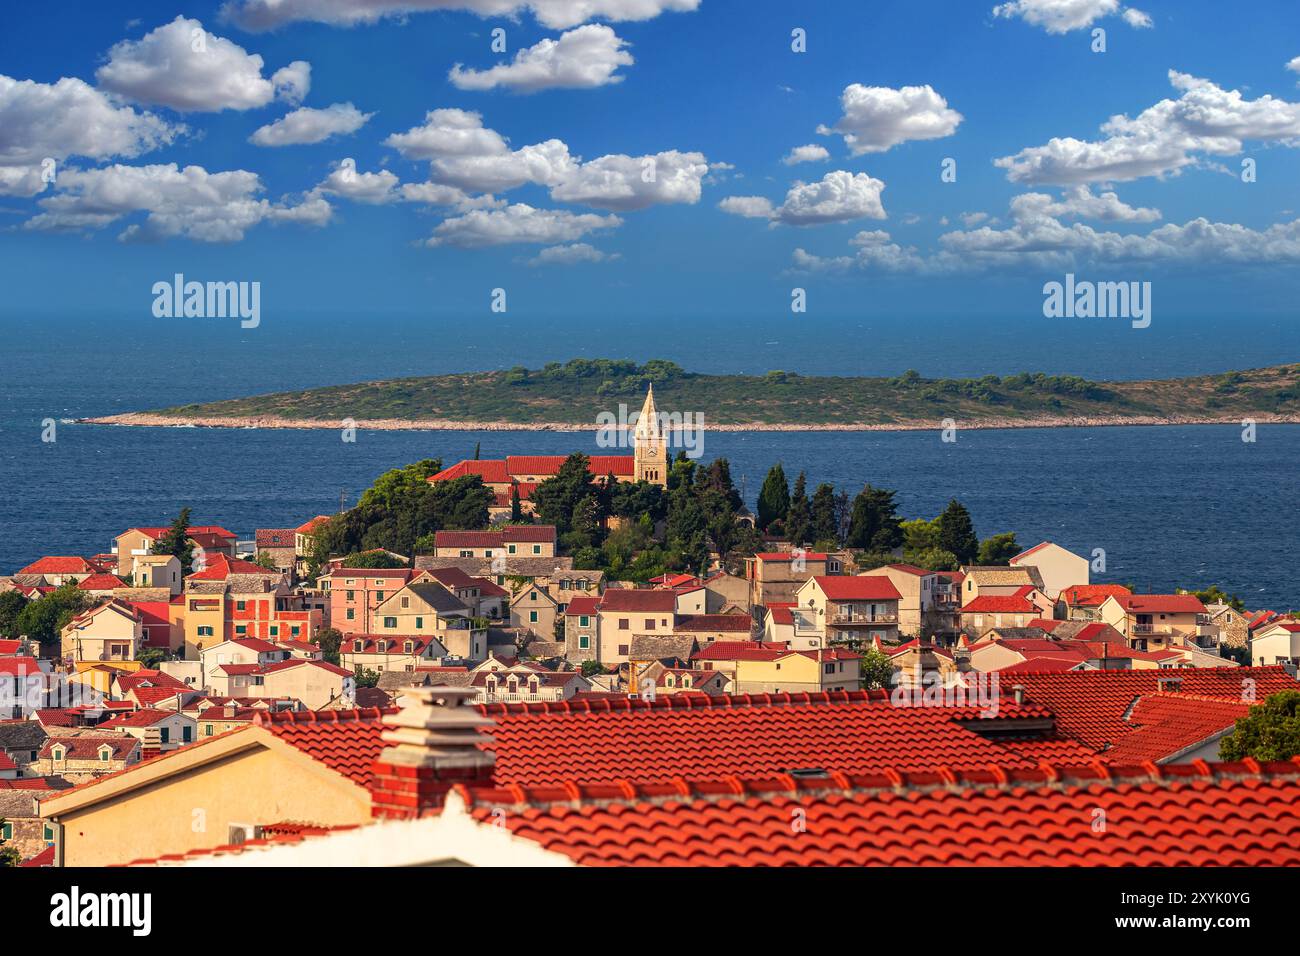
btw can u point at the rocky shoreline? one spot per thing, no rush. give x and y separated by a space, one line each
147 420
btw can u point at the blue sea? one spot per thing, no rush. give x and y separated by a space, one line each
1184 506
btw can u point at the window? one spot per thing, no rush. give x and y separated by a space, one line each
467 554
622 649
352 614
419 623
537 549
584 621
166 735
241 605
104 754
204 631
7 831
390 622
295 630
511 549
356 647
379 597
622 624
380 646
532 596
352 595
649 624
275 630
584 641
207 730
187 734
241 628
406 602
532 617
409 647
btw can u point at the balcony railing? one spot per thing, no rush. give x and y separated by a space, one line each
859 617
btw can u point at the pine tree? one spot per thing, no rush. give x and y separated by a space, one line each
774 498
957 532
798 520
516 507
824 524
176 541
875 526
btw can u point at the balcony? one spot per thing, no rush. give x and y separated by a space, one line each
843 617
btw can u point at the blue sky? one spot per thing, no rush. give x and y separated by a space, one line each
714 94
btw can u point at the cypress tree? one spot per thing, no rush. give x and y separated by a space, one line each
774 498
957 532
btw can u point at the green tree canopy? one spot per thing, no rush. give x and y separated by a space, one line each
825 526
874 524
43 619
176 541
957 532
1269 732
798 520
773 498
11 606
999 549
877 671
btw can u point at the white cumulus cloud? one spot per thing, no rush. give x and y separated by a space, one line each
305 125
183 66
558 14
40 121
1062 16
839 196
580 59
573 254
189 203
293 82
877 118
1163 139
517 223
811 153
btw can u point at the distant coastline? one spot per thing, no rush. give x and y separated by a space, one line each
148 420
578 395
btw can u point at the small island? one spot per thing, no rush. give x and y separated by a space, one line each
566 397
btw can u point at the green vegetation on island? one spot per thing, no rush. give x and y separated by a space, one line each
570 393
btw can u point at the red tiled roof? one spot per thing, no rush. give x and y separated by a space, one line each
636 600
204 529
739 650
59 565
1090 705
86 746
275 537
858 588
1229 814
139 718
780 615
19 666
529 533
1166 724
1286 624
1162 604
492 471
101 582
467 539
44 858
309 527
302 662
346 741
582 605
8 647
220 567
1092 595
602 741
1000 603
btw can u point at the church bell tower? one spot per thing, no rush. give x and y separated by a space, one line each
651 447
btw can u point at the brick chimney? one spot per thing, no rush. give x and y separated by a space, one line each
433 744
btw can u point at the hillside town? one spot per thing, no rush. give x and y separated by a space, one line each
524 692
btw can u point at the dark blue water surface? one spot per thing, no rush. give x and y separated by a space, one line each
1182 506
